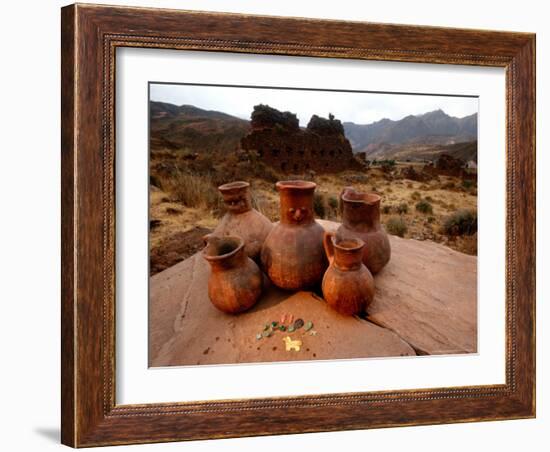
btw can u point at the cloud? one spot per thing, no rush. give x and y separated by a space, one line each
361 108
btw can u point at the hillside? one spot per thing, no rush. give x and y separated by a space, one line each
189 128
433 128
422 151
423 137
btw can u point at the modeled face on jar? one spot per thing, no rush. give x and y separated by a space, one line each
298 214
237 202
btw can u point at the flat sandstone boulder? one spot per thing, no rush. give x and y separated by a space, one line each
425 303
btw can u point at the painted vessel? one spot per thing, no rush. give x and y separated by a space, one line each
292 254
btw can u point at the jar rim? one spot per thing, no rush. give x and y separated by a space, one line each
235 185
295 185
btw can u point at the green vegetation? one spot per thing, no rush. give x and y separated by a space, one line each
319 205
424 206
461 222
396 226
333 202
468 184
402 208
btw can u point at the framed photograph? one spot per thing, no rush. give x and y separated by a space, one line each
282 225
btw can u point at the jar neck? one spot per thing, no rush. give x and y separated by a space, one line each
238 201
361 216
229 262
296 207
348 260
224 253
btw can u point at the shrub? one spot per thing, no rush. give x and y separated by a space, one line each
448 186
461 222
319 205
402 208
386 209
154 181
396 226
431 219
467 184
333 202
424 206
387 165
415 195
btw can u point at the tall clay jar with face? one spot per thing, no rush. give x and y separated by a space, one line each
241 219
292 254
361 219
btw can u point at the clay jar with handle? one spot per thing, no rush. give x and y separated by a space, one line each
348 286
361 219
241 219
292 254
235 282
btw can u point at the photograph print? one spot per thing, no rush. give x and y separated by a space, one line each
295 225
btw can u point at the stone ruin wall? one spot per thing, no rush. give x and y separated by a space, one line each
291 149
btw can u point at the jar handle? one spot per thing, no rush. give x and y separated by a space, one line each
329 246
205 239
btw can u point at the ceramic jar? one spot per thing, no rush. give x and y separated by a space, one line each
292 254
348 286
241 219
361 219
235 282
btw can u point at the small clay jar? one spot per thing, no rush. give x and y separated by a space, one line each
241 219
235 282
348 286
361 219
292 254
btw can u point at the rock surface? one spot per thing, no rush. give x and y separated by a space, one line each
427 294
187 329
425 301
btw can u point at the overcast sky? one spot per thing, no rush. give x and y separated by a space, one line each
361 108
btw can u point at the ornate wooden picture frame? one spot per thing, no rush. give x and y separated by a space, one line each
90 37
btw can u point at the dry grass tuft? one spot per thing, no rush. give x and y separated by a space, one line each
193 191
396 226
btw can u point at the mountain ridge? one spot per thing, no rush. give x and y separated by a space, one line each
433 127
415 137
